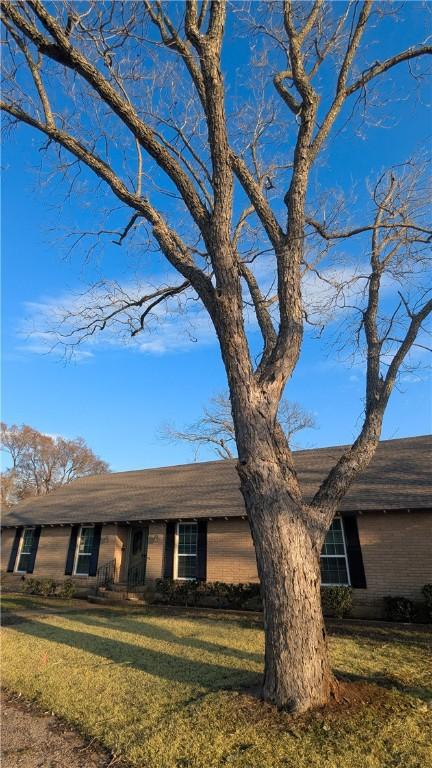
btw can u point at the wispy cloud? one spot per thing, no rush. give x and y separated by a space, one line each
174 326
51 324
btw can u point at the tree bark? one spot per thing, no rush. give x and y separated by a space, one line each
288 537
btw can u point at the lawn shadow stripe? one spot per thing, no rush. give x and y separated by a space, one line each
150 630
383 635
385 681
154 662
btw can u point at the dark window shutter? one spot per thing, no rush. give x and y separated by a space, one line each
354 553
169 551
95 551
71 550
36 537
14 550
202 550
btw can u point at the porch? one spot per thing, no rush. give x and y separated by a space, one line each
138 557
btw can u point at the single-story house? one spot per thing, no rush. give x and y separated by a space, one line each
189 522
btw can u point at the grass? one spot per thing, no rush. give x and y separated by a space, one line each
13 603
172 690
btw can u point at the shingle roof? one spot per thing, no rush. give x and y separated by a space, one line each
398 478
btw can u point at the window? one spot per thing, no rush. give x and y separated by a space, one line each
186 551
84 551
334 566
25 550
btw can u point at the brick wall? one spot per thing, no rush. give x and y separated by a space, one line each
397 555
396 548
230 551
155 551
7 538
120 551
52 552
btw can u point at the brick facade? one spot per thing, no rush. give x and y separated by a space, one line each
396 549
155 551
397 555
230 552
52 552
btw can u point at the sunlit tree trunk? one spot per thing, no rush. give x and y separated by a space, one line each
288 538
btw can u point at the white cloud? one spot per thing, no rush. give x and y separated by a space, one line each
51 324
171 327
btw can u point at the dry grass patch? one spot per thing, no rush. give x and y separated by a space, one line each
173 691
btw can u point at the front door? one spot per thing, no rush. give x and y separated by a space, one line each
137 556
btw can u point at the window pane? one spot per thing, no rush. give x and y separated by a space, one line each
187 539
26 549
24 562
333 570
187 567
83 565
27 543
334 543
86 541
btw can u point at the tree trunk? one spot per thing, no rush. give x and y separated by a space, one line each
288 540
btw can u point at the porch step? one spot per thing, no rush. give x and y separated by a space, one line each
119 586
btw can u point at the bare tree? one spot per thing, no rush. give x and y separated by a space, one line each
216 427
41 463
8 489
135 93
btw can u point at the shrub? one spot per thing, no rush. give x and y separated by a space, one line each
67 589
336 601
32 586
48 587
427 594
253 604
147 593
214 594
421 613
398 608
45 587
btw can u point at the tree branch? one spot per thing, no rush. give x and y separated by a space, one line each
65 53
171 244
263 316
379 67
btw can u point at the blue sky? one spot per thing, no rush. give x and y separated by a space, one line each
117 396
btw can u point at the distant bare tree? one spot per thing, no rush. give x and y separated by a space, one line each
220 184
8 489
41 463
216 427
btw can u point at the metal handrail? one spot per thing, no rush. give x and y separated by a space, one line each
106 574
136 575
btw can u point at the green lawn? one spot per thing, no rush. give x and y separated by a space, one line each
170 689
18 603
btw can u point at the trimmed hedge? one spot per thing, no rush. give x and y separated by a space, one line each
214 594
49 588
427 594
399 608
336 601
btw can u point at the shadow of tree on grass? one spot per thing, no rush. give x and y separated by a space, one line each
385 681
147 629
419 635
155 662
